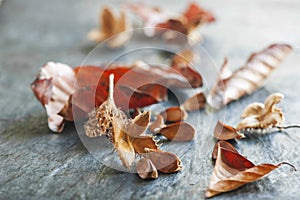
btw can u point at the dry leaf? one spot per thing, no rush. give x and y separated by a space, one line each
179 132
164 162
157 125
225 132
185 23
261 116
245 80
53 87
196 102
116 29
223 144
174 114
232 171
143 142
146 169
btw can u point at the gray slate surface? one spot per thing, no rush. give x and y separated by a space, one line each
38 164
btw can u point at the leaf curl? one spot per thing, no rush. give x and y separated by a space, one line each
233 170
225 132
245 80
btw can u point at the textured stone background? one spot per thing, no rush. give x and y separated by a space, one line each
34 163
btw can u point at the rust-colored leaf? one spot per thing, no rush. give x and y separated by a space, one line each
146 169
164 162
196 102
233 170
179 131
248 78
53 87
185 23
225 132
261 116
113 27
223 144
174 114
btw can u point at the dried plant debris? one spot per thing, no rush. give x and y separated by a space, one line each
178 131
164 162
261 116
225 132
125 134
196 102
174 114
245 80
161 21
146 169
116 29
223 144
233 170
53 87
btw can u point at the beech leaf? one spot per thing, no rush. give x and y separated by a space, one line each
226 132
146 169
233 170
174 114
164 162
113 27
185 23
245 80
261 116
53 87
196 102
223 144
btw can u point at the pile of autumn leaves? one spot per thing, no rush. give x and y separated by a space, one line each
92 93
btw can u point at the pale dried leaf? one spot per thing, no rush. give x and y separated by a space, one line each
248 78
146 169
196 102
53 87
157 125
179 132
261 116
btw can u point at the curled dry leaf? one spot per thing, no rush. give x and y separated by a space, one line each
261 116
146 169
164 162
223 144
245 80
225 132
174 114
53 87
185 23
179 132
233 170
196 102
157 125
113 27
125 134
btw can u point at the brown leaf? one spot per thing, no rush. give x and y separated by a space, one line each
179 132
225 132
174 114
261 116
223 144
185 23
157 125
53 87
248 78
146 169
138 125
196 102
143 142
165 162
113 27
232 171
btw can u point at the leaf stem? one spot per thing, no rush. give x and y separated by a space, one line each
111 87
287 126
